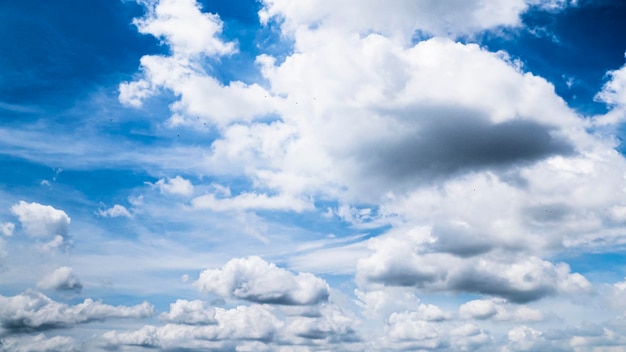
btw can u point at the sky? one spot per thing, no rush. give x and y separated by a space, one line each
313 175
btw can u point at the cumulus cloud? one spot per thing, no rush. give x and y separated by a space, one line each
183 27
401 17
176 186
61 279
193 36
243 323
256 280
190 327
329 326
33 311
499 310
405 261
190 313
41 221
39 343
115 212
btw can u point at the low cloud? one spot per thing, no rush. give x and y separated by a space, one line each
33 311
255 280
41 221
61 279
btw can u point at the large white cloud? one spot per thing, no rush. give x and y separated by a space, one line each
481 170
43 222
33 311
401 18
407 261
256 280
190 313
231 326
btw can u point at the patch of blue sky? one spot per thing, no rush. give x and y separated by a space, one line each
59 50
242 26
608 266
568 48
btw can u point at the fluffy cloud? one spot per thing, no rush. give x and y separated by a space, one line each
39 343
499 310
401 18
62 279
193 36
33 311
255 280
176 185
406 261
183 27
43 222
243 323
115 212
190 313
194 325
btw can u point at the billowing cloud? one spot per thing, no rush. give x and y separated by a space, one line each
243 323
41 221
256 280
33 311
61 279
190 313
401 17
403 261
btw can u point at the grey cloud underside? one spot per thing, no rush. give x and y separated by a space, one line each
489 285
459 241
447 142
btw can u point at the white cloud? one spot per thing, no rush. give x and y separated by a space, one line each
253 201
405 261
115 211
243 323
176 186
39 343
62 279
255 280
6 228
400 18
190 313
183 27
41 221
329 326
499 310
193 36
614 90
34 311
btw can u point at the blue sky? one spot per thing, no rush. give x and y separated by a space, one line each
186 175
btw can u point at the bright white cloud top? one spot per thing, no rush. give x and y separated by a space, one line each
354 176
